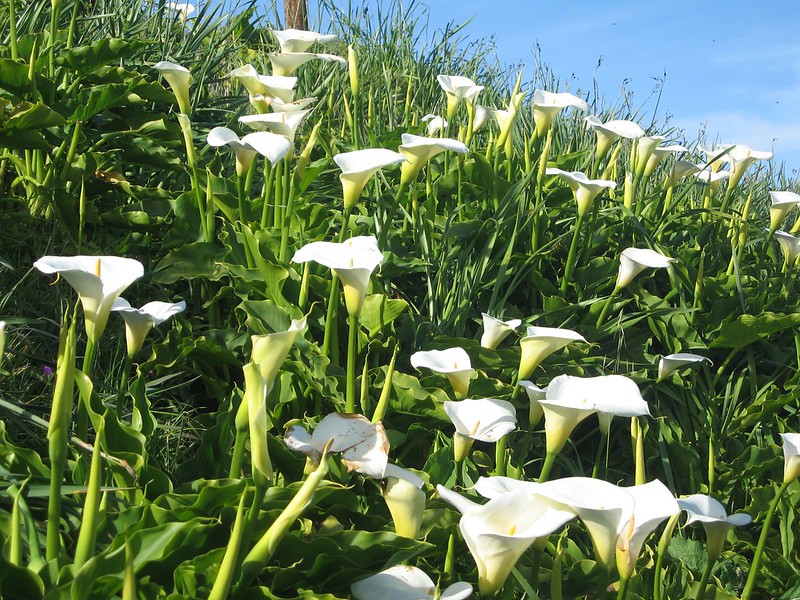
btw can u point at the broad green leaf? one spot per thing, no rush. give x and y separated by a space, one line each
749 328
191 261
33 116
379 311
22 139
85 59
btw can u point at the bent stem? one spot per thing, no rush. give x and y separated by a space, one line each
701 592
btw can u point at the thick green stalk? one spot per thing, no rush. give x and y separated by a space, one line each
701 592
352 342
571 255
123 385
330 321
622 592
12 28
91 508
663 544
762 540
82 418
386 391
549 459
222 583
269 178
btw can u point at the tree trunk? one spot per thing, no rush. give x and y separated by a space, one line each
296 14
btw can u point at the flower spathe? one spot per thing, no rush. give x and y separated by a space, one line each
405 499
496 330
179 79
352 261
484 419
610 131
672 362
679 170
790 245
454 363
457 88
435 124
402 582
138 321
300 40
546 105
271 146
633 261
659 154
781 204
359 166
363 445
270 350
535 394
99 281
275 86
286 63
584 190
418 150
791 456
740 158
710 513
541 342
281 123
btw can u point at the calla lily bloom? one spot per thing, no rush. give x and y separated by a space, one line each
359 166
740 157
711 514
712 177
99 281
419 150
535 394
282 123
541 342
681 169
610 131
405 583
363 445
659 154
269 145
274 86
484 419
546 105
405 499
789 244
791 456
569 400
633 261
584 190
673 362
495 330
645 146
435 124
499 532
270 350
281 106
179 79
457 88
782 203
482 116
138 321
286 63
454 363
299 40
715 156
352 261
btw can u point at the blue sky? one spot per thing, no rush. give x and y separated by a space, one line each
731 67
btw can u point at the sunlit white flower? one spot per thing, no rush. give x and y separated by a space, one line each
138 321
179 79
359 166
363 445
712 177
495 330
541 342
281 106
741 157
182 7
584 190
454 363
353 261
267 85
286 63
782 203
458 88
535 394
679 170
633 261
435 124
546 105
299 40
659 154
269 145
791 456
673 362
405 499
482 116
644 148
405 583
709 512
419 150
715 156
484 419
282 123
99 281
790 245
610 131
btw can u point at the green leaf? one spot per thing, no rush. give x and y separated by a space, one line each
33 116
22 139
199 259
749 328
85 59
100 98
379 311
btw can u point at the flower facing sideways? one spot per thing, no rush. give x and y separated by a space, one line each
454 363
540 343
673 362
271 146
484 419
458 88
419 150
781 204
495 330
791 456
584 190
610 131
402 491
138 321
299 40
179 79
359 166
790 245
710 513
405 583
546 105
633 261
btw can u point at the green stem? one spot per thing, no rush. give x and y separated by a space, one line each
123 385
701 592
352 341
500 456
762 540
623 588
91 508
287 221
330 320
599 455
12 28
571 255
82 418
222 583
663 544
387 224
238 452
269 178
549 459
606 308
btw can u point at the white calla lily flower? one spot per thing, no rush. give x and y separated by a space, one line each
99 281
535 394
273 86
483 419
405 499
454 363
610 131
633 261
659 154
496 330
781 204
673 362
270 350
138 321
281 123
790 245
482 116
740 158
179 79
710 513
363 445
643 150
353 261
405 583
435 124
712 178
286 63
546 105
584 190
791 456
300 40
458 88
269 145
359 166
541 342
681 169
418 150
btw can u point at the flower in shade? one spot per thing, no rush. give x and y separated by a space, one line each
405 583
363 445
499 532
282 123
569 400
352 261
269 145
359 166
457 88
419 150
405 499
710 513
535 394
435 124
546 105
286 63
99 281
610 131
495 330
179 79
584 190
789 244
782 203
633 261
791 456
454 363
673 362
541 342
483 419
299 40
270 350
138 321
